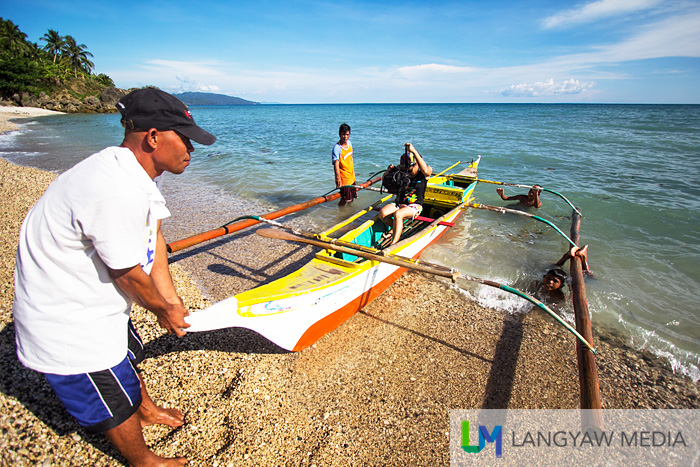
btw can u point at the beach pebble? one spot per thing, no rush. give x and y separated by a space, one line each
376 391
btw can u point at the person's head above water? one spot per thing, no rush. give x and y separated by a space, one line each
534 191
554 279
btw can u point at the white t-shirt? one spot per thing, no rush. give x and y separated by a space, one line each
69 315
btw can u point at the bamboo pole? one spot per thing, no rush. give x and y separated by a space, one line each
521 213
592 416
227 229
417 265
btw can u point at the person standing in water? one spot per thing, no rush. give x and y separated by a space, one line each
343 166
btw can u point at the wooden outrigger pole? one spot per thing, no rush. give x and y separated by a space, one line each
590 402
235 227
587 372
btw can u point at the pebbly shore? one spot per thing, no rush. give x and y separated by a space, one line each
377 391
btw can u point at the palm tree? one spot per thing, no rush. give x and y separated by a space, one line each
54 43
77 56
13 40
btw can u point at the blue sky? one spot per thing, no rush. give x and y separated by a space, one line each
611 51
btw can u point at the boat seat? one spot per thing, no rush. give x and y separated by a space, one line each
428 219
408 227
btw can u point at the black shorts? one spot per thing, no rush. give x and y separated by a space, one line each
348 193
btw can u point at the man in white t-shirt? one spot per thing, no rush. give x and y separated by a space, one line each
90 246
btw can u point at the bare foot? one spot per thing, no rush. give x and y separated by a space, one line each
160 416
127 437
151 414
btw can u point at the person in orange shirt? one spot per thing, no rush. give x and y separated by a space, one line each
343 166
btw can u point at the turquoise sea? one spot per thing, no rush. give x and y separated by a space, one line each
632 170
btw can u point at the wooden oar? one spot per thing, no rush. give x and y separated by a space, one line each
410 263
227 229
520 213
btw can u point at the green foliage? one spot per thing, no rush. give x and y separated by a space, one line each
54 68
104 80
18 75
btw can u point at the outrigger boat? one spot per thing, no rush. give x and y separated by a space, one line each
298 309
355 267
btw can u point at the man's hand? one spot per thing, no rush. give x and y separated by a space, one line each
142 289
173 319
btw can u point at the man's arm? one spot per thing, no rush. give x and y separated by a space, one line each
537 203
160 272
520 198
336 169
142 289
425 168
156 291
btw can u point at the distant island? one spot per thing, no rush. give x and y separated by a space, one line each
207 98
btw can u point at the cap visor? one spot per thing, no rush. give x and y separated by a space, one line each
196 134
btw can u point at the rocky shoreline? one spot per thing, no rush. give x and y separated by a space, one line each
377 391
105 103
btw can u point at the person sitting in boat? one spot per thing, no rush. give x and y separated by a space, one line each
532 198
409 204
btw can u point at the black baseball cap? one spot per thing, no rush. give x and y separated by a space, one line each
152 108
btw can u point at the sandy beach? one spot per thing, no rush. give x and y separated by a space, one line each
377 391
9 113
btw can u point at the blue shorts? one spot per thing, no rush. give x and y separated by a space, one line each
104 399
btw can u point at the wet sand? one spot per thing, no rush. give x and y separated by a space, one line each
377 391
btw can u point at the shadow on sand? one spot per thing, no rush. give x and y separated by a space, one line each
31 389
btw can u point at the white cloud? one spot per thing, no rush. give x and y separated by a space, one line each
595 11
547 88
551 79
675 37
431 70
678 36
191 84
175 67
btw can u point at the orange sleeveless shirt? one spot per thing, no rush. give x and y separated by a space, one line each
346 166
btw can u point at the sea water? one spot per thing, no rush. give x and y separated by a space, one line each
632 170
